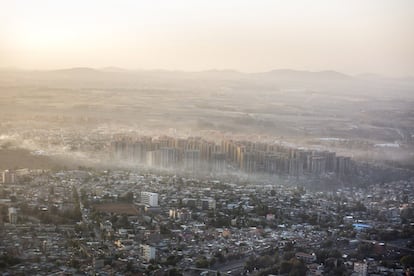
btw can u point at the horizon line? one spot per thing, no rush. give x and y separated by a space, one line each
115 68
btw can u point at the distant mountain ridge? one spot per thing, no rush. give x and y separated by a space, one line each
278 78
282 74
289 73
279 73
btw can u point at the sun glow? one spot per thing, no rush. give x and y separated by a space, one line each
352 36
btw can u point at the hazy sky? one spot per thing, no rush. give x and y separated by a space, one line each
352 36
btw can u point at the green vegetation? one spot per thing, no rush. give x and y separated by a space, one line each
407 261
7 260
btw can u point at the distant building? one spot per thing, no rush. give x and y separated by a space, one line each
342 165
153 158
168 157
307 258
182 214
295 167
8 177
147 252
361 268
248 162
149 199
13 215
106 226
317 165
207 204
218 162
189 202
192 160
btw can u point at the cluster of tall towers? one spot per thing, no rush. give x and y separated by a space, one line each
195 154
192 154
274 158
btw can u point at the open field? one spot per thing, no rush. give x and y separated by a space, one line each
295 106
20 158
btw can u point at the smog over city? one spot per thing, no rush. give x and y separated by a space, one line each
207 137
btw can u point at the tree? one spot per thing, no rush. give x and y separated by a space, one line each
74 263
174 272
75 195
285 267
3 212
407 214
172 260
298 268
407 261
335 266
365 249
250 264
129 197
359 206
262 210
212 261
53 210
202 262
265 261
123 221
220 257
7 260
324 254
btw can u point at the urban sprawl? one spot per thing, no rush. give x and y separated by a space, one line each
176 221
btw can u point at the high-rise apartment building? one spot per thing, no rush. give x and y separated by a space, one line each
8 177
149 199
192 160
147 252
